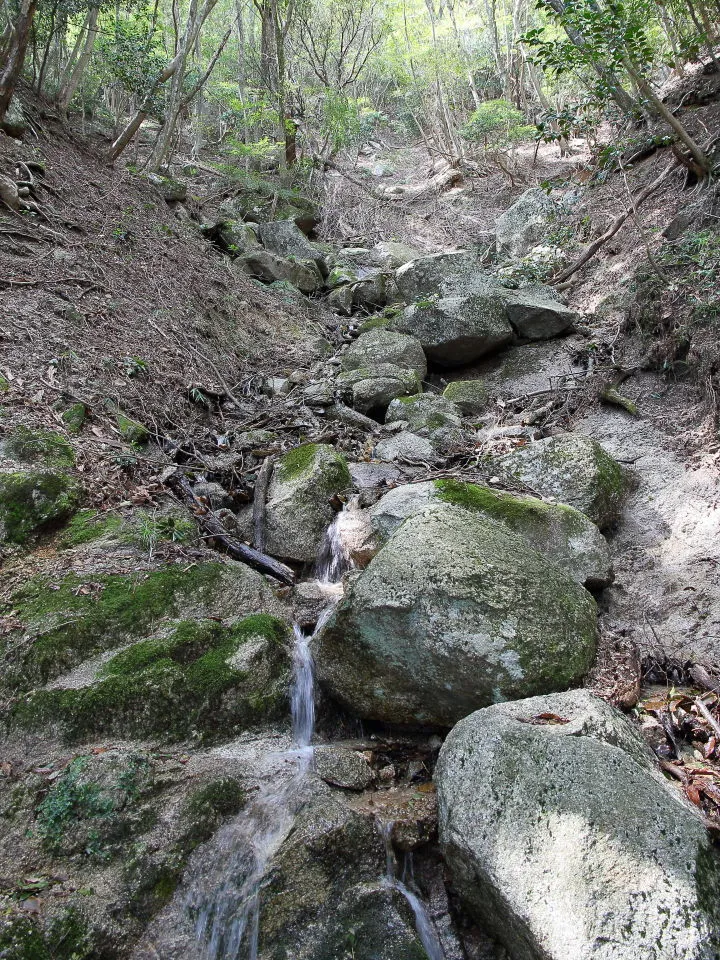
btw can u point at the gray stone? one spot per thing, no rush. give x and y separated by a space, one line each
575 470
443 275
454 613
285 239
406 447
172 190
469 396
370 389
525 224
425 412
320 394
340 300
536 314
455 331
268 267
14 123
237 237
385 346
564 840
341 275
396 254
558 532
368 476
342 768
214 495
298 510
371 293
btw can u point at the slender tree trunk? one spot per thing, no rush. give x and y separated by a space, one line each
46 52
72 83
17 45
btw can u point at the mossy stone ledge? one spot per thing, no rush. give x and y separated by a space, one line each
32 500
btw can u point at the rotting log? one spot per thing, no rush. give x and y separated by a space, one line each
211 524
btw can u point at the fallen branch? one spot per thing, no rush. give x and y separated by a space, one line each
703 710
615 225
210 523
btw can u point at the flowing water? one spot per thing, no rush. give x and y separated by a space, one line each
227 909
423 923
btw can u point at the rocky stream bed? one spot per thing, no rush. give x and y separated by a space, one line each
405 740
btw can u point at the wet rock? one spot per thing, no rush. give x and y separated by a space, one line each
525 224
299 510
268 267
558 532
470 396
455 612
342 768
564 840
575 470
327 895
406 447
455 331
285 239
385 346
536 314
370 389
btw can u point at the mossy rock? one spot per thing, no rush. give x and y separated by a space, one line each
143 529
573 469
299 510
74 417
425 412
470 396
38 448
67 936
131 430
33 500
339 276
201 679
371 388
64 622
4 384
172 190
454 613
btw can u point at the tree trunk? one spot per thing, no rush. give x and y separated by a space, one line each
72 83
17 45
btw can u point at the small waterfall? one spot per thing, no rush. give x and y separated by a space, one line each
336 554
227 920
423 924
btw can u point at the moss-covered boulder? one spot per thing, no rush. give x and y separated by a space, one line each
454 331
172 190
285 239
372 292
564 839
370 389
33 500
237 237
470 396
298 510
74 417
454 613
575 470
59 623
385 346
561 534
425 412
44 448
199 679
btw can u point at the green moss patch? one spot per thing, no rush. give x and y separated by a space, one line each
195 681
74 417
331 466
38 447
33 499
67 938
72 620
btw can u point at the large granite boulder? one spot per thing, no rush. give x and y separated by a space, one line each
395 254
564 841
456 330
370 389
536 313
455 274
285 239
298 510
561 534
268 267
372 292
430 416
574 470
525 224
237 237
379 345
455 612
406 447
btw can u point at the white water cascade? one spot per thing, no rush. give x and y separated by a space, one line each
227 919
423 923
